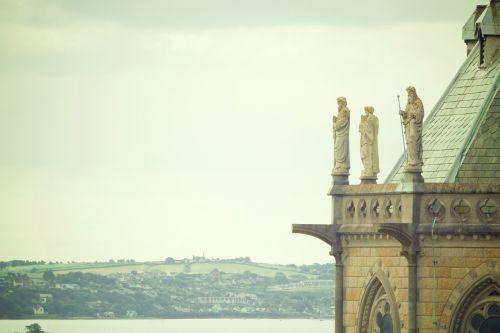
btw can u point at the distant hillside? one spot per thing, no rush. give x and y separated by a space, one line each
169 266
194 288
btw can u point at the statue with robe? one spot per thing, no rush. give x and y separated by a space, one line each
368 129
341 138
413 117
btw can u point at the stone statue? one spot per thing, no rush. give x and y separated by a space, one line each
341 138
369 143
413 117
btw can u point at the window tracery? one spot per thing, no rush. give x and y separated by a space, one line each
484 315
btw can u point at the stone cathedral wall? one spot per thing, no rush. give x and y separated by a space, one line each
459 266
457 269
366 259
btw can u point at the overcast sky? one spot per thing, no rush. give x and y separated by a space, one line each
148 129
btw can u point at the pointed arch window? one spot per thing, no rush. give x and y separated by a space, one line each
479 309
378 312
484 317
381 317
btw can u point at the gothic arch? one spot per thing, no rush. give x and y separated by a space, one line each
473 308
378 308
475 299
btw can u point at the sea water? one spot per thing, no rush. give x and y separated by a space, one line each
173 326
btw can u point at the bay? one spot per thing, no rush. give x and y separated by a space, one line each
173 326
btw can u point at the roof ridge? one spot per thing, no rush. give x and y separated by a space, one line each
436 107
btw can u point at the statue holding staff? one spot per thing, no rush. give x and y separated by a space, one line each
341 138
368 129
413 117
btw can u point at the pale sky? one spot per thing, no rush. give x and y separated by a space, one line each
148 129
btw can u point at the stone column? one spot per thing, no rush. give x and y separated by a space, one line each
339 287
412 297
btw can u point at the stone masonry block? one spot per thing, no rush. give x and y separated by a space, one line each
425 295
453 261
354 252
427 261
349 319
402 295
424 322
492 253
442 295
365 252
364 271
350 270
352 294
350 282
424 272
425 283
450 252
473 262
391 261
424 309
362 261
399 271
449 283
458 273
443 272
474 252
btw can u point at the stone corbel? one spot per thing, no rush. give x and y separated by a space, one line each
402 232
328 233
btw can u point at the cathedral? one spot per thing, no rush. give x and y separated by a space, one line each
421 251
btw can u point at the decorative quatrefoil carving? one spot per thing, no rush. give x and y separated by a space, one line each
461 209
436 209
487 210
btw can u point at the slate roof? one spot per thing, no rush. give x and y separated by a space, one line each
455 149
481 162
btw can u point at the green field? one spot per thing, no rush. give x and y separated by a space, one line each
268 270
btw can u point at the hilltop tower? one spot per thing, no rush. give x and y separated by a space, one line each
421 252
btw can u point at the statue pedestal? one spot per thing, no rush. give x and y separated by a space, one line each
413 175
368 179
340 178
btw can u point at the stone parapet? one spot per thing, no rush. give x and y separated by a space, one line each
456 208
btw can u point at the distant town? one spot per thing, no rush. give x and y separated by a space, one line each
174 288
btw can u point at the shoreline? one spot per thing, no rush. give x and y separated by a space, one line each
171 318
